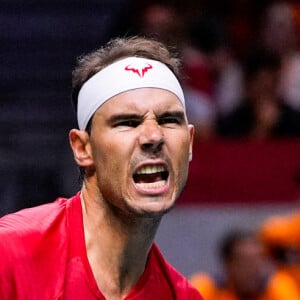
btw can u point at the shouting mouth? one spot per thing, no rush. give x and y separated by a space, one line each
151 177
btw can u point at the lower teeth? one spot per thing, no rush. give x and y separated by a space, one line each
152 185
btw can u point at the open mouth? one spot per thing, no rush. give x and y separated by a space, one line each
151 176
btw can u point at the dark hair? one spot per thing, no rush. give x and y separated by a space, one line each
116 49
230 240
261 59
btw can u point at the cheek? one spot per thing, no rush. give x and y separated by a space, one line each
110 158
180 157
183 148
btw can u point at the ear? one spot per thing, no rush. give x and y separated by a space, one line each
80 144
192 132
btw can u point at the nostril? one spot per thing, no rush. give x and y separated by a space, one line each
153 146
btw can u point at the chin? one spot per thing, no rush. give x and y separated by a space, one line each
153 209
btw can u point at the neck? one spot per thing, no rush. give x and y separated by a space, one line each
117 244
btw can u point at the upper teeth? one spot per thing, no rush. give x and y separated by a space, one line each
150 169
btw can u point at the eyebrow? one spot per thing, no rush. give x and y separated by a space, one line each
123 116
174 114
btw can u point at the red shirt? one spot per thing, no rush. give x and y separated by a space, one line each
43 256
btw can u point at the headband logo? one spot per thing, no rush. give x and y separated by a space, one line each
140 70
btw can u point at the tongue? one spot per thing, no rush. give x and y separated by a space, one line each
147 178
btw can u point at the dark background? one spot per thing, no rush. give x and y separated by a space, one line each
39 44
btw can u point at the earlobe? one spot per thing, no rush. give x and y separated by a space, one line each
192 131
80 144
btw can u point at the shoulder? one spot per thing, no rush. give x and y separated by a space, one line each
282 285
181 286
24 230
30 220
34 242
203 281
209 285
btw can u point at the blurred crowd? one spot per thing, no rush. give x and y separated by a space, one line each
241 63
261 264
240 66
241 78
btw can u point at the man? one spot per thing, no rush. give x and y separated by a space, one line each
247 273
133 146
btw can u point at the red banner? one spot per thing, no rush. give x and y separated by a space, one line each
244 171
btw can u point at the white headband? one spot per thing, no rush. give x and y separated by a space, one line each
124 75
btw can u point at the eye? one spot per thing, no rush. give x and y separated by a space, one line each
170 120
127 123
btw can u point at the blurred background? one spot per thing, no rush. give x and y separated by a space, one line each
241 77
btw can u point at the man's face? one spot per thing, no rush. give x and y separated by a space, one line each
141 144
247 267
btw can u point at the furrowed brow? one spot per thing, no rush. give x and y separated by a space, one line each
174 114
121 117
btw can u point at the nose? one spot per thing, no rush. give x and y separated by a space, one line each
151 136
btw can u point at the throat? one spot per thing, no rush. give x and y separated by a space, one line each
119 272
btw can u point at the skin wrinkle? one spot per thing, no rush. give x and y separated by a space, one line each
123 140
116 212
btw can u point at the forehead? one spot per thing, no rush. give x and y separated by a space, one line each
142 100
247 247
